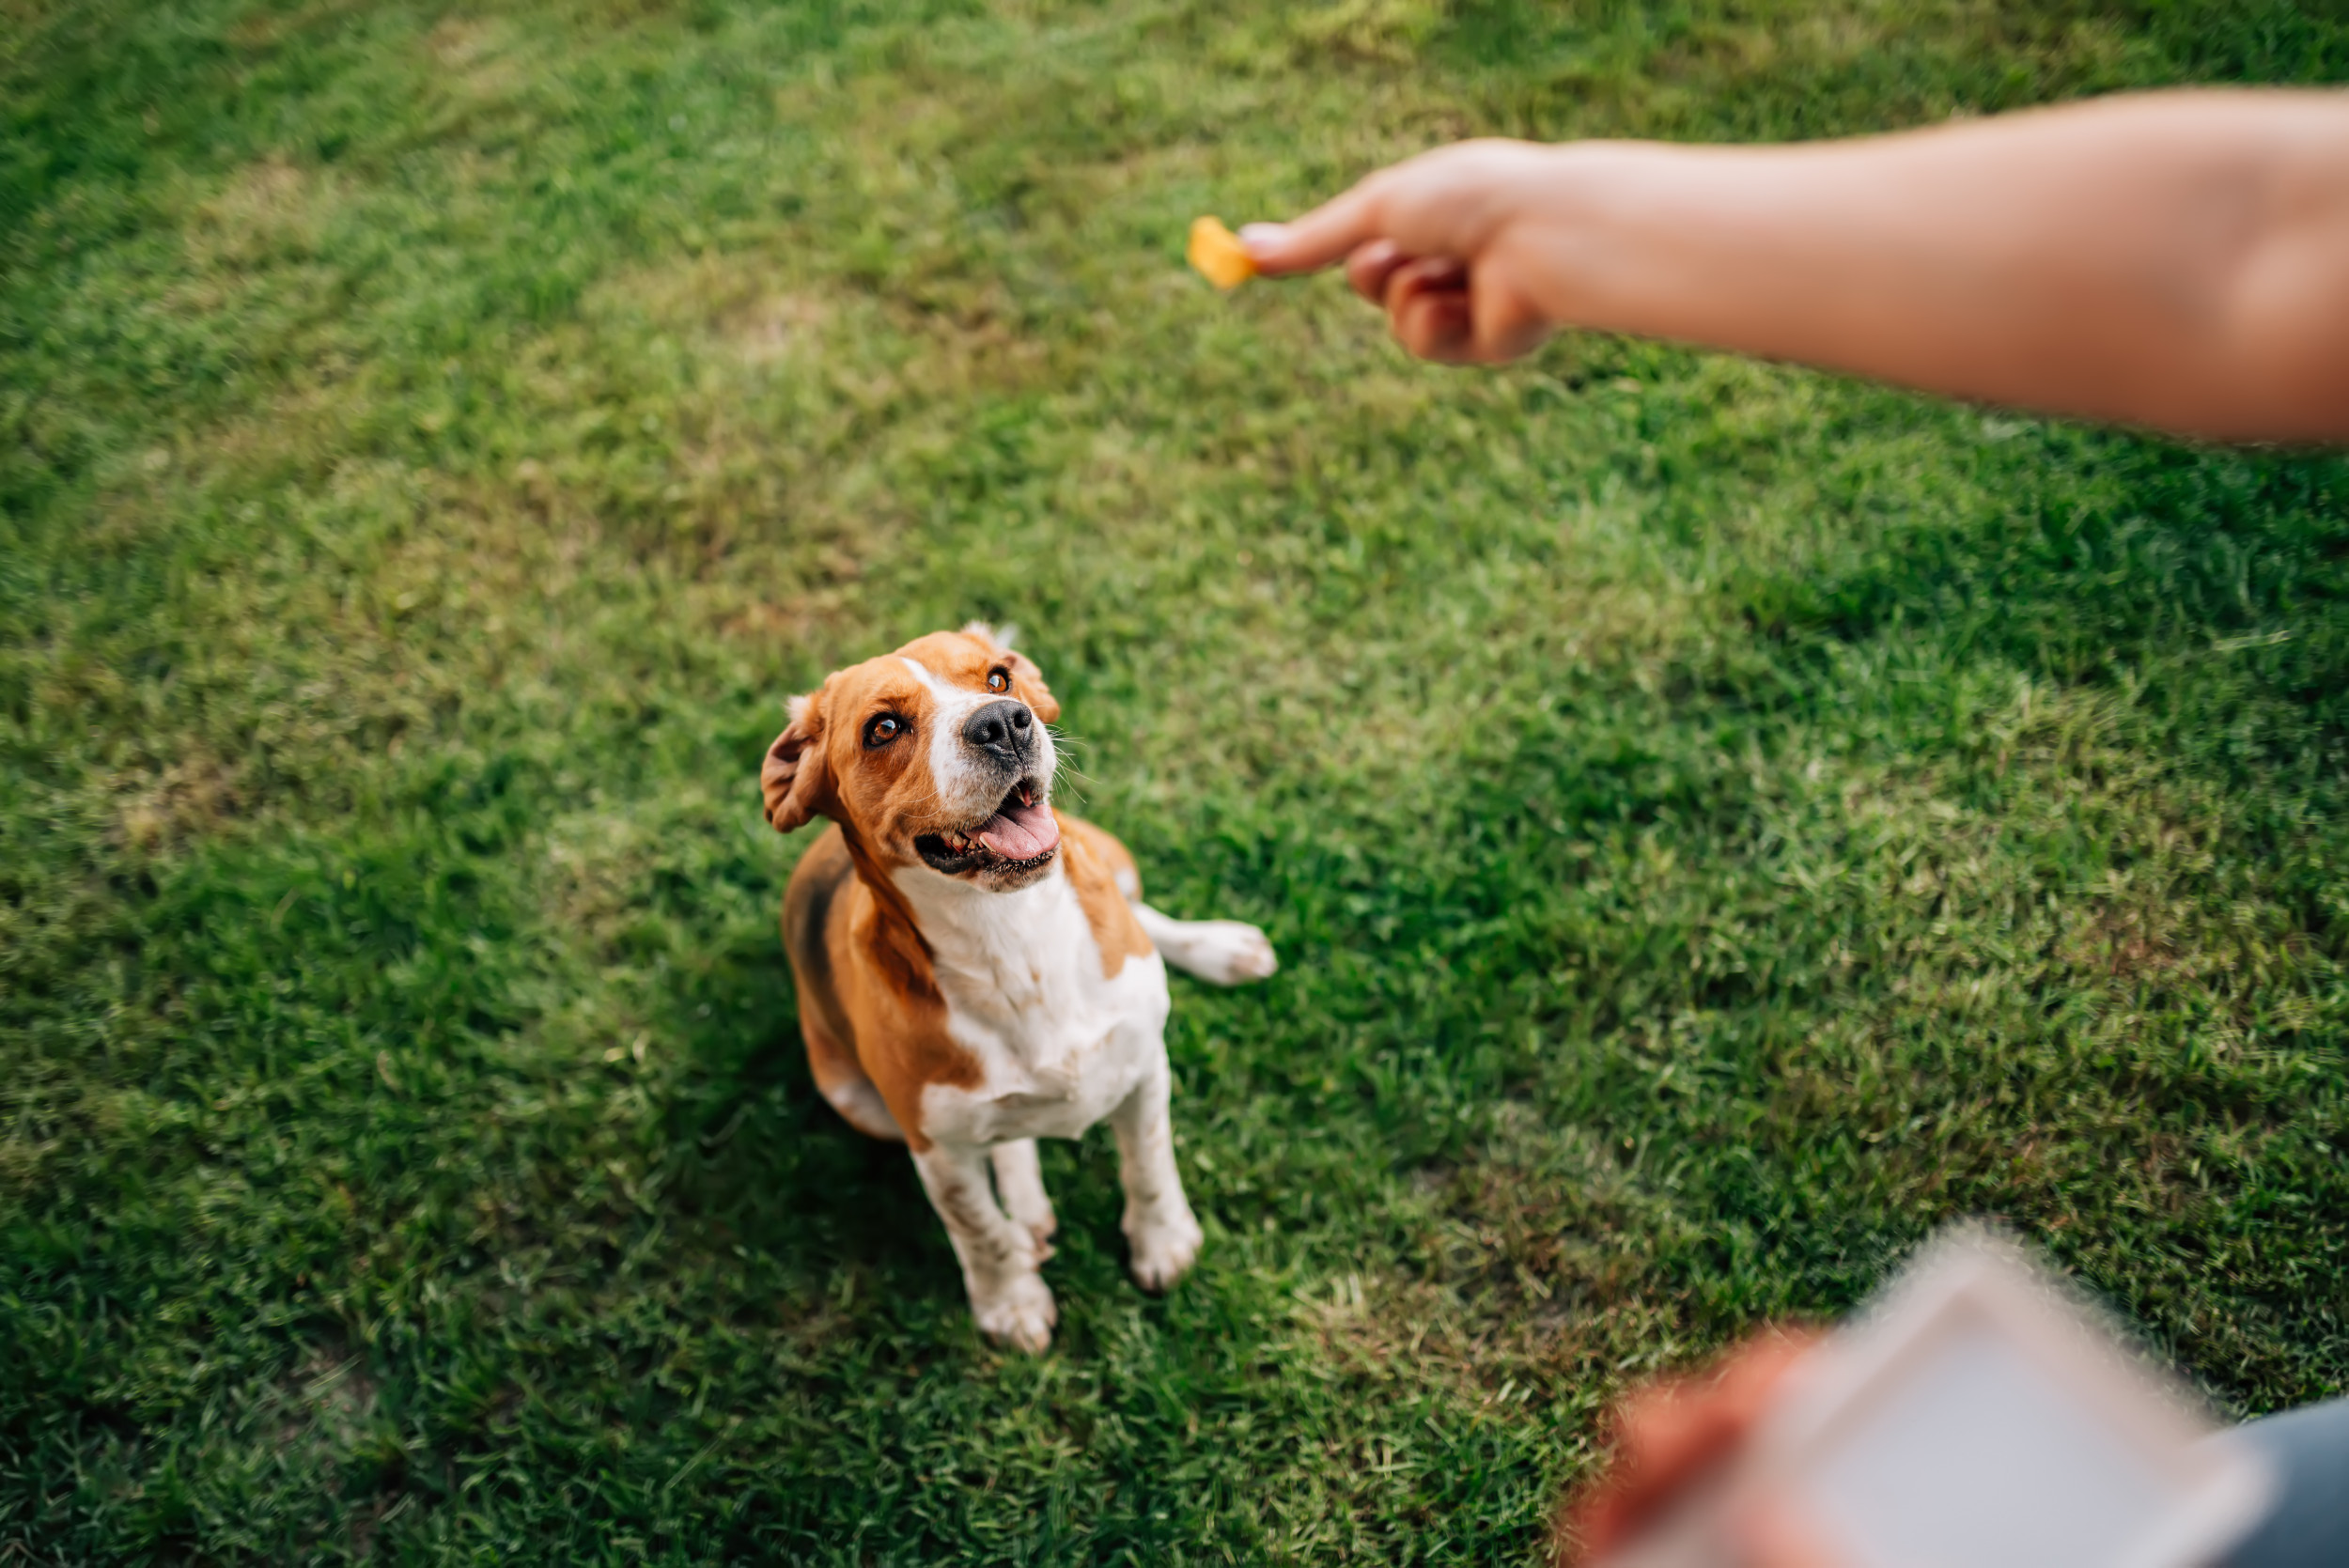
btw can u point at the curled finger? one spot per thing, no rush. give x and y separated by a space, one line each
1370 267
1427 305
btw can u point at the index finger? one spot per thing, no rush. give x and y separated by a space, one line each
1321 238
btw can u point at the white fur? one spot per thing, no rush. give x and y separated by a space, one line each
863 1108
1002 636
1220 952
1019 1183
961 782
964 785
1059 1048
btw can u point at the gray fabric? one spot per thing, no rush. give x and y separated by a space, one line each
2308 1526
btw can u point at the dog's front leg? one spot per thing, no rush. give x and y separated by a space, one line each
998 1257
1160 1228
1019 1183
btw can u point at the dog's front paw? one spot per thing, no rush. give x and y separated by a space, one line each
1163 1250
1020 1312
1230 953
1032 1211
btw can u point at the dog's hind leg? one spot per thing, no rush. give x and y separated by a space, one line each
1220 952
1019 1183
812 906
841 1079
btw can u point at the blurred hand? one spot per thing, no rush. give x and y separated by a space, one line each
2170 259
1671 1435
1455 245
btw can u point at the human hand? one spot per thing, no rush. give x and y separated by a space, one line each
1672 1435
1451 244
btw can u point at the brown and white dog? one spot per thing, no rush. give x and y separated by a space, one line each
976 970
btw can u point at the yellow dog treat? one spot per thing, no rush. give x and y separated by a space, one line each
1217 253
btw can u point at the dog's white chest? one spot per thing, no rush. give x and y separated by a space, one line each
1058 1044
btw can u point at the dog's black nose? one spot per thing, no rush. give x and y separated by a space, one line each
1001 730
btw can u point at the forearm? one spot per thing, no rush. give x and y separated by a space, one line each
2181 261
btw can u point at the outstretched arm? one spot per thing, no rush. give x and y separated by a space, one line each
2178 260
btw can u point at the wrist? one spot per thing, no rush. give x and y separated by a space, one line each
1605 222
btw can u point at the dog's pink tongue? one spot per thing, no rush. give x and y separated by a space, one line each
1021 833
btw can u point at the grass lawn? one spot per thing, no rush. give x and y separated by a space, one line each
1718 821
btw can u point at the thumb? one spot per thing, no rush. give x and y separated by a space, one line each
1321 238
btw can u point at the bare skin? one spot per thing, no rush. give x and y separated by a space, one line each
1666 1435
2174 261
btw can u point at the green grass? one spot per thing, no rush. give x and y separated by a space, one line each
1718 821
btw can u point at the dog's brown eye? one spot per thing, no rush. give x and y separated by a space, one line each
883 730
999 680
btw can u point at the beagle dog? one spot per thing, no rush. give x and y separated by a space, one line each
976 970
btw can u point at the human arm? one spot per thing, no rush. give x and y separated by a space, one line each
2177 260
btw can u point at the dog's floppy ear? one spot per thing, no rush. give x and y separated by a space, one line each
796 778
1026 679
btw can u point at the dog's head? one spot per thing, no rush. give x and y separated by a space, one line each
933 755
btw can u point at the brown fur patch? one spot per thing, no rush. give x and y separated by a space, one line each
817 899
1091 858
868 999
896 1018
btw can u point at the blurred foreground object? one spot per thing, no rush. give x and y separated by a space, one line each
1218 255
2170 259
1979 1415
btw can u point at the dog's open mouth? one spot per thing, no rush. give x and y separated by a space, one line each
1021 833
